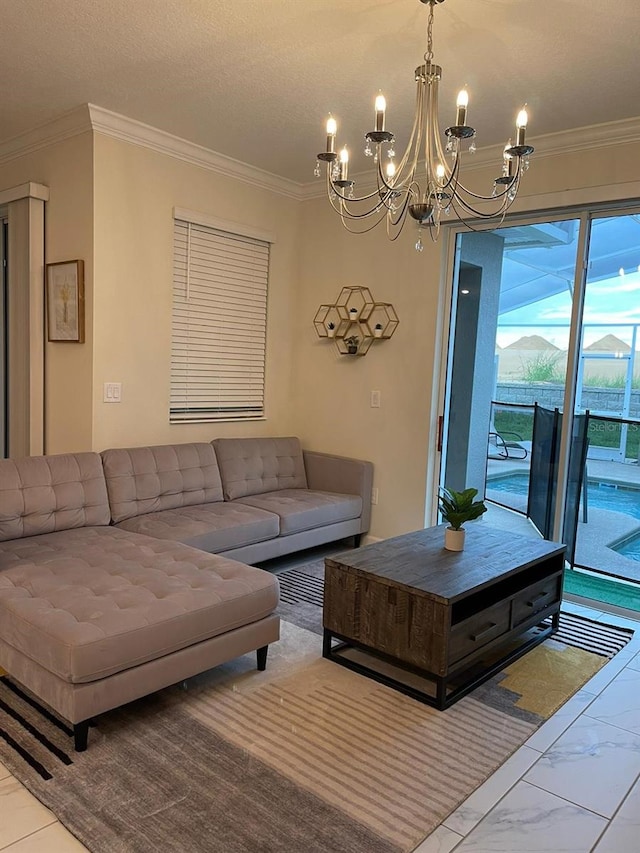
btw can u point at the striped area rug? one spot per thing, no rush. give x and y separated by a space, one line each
306 757
384 759
298 586
592 636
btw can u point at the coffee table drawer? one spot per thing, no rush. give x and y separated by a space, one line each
535 598
478 630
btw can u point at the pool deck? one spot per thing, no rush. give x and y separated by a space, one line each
604 528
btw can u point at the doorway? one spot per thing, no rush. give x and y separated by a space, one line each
544 321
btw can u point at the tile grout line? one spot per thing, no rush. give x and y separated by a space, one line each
539 787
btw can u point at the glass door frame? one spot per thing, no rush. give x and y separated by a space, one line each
585 214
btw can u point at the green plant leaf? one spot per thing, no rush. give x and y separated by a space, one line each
458 507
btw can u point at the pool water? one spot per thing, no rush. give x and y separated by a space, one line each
600 495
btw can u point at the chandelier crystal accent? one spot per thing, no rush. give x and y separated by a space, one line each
424 183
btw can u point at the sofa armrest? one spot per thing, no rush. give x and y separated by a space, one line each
340 474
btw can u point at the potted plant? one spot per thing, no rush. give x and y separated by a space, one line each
377 330
331 329
352 344
456 509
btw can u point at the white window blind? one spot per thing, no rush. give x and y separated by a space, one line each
219 324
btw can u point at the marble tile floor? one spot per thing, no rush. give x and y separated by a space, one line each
574 786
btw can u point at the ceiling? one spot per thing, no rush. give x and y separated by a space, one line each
255 79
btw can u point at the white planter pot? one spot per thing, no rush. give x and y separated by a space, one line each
453 539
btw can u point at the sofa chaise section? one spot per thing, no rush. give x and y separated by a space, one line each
92 616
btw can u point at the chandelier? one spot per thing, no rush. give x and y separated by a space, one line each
425 182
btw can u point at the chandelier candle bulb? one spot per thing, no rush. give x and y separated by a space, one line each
391 169
344 163
521 126
440 174
462 103
381 106
508 159
332 129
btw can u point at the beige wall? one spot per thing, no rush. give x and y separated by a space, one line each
136 190
332 409
120 223
66 168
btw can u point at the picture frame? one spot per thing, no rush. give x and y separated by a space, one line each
65 302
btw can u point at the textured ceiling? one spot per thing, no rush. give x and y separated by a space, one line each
255 79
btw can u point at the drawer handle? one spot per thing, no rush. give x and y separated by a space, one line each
537 598
487 630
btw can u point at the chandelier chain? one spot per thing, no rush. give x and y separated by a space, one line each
429 54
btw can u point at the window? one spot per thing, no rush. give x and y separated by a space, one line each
219 324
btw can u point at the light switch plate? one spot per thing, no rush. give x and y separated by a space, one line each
112 392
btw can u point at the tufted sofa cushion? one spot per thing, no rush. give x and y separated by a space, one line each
303 509
252 466
91 602
212 527
149 479
42 494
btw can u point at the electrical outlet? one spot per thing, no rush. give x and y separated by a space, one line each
374 495
375 399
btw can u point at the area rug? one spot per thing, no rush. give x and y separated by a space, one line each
306 757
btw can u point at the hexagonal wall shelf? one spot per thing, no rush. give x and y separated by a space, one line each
382 321
355 321
328 321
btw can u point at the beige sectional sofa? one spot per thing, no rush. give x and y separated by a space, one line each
251 499
109 587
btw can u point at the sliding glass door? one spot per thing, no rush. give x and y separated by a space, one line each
542 402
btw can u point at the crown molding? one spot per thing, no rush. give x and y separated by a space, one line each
572 141
88 117
63 127
129 130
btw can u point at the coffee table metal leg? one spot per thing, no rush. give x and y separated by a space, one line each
326 643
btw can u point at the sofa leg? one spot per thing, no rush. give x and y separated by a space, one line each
262 657
357 539
81 735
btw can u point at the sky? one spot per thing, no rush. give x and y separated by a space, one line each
608 303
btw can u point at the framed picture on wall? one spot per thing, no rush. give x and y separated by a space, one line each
65 301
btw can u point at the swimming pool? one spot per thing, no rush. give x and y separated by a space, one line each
600 495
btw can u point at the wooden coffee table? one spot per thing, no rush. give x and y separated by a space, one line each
435 623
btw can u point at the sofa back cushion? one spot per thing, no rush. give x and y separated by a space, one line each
148 479
252 466
43 494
